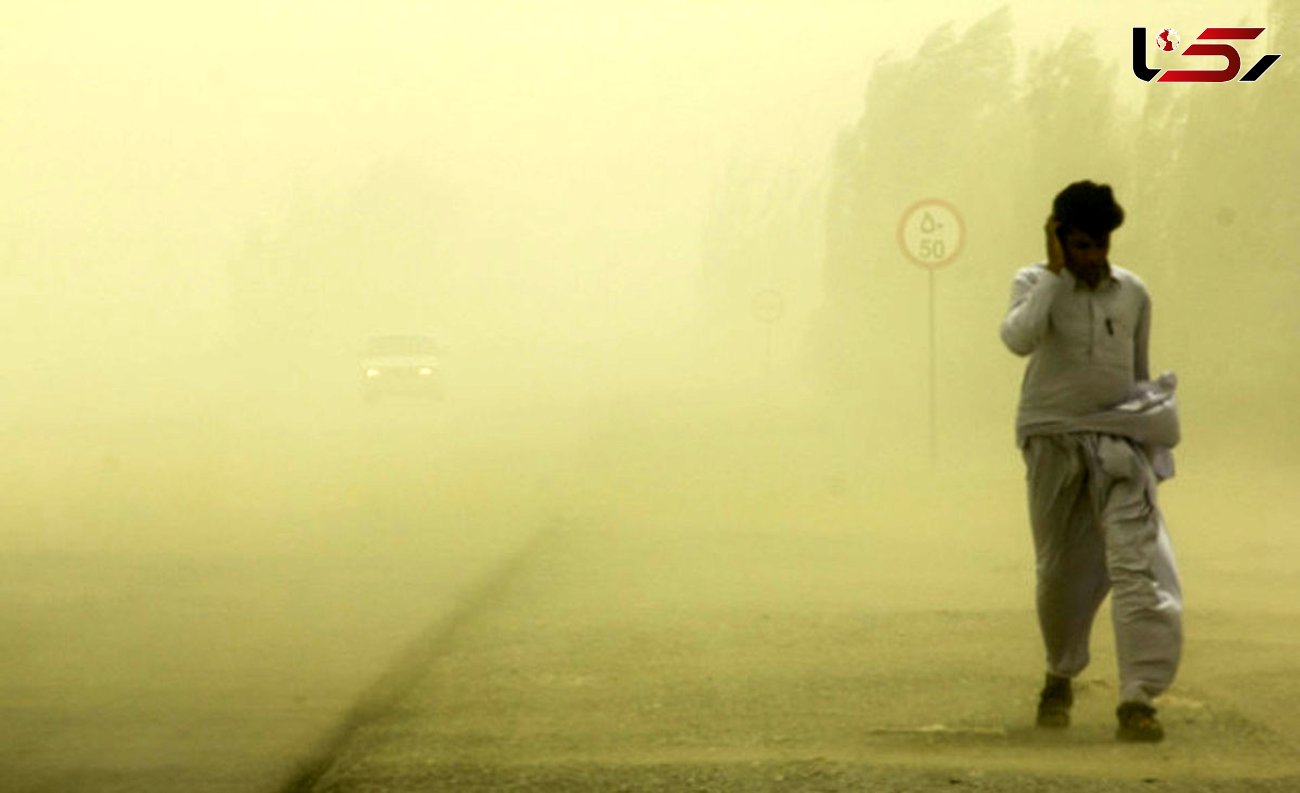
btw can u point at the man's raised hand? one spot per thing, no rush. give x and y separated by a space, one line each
1055 256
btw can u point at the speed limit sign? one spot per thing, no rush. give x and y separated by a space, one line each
931 233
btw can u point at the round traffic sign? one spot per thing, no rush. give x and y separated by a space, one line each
931 233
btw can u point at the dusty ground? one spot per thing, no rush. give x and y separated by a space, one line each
190 600
718 602
713 637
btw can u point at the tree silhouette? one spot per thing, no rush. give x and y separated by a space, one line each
941 123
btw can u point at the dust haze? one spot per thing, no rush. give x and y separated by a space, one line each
658 245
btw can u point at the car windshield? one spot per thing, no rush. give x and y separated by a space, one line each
401 345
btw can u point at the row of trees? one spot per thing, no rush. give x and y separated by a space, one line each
1209 175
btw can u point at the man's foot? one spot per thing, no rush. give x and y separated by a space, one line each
1138 723
1054 702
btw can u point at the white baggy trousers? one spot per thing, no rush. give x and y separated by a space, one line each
1097 529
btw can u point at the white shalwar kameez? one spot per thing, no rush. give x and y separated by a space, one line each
1095 433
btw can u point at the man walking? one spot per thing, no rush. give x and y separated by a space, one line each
1086 430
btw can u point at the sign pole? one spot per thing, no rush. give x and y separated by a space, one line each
931 233
933 377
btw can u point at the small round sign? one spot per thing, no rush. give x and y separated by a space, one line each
769 306
931 233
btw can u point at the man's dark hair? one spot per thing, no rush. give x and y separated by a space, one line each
1088 207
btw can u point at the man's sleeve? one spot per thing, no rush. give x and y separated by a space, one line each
1141 342
1025 324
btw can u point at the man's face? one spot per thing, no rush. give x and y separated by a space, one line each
1085 255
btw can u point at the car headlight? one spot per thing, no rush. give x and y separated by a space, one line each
372 373
425 371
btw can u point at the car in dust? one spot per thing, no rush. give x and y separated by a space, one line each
402 365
